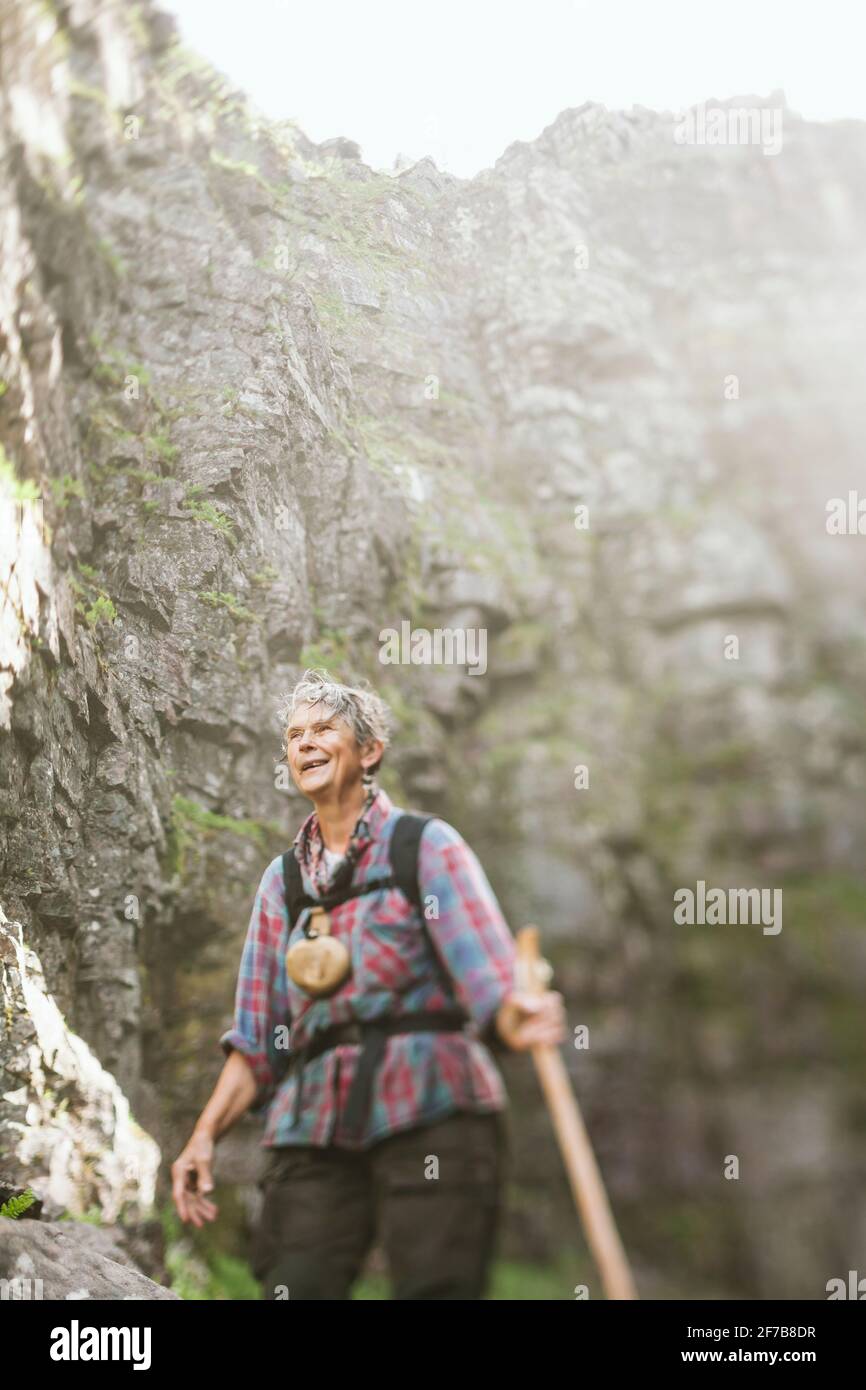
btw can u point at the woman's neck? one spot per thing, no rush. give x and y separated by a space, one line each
337 820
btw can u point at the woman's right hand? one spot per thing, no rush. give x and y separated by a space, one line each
192 1180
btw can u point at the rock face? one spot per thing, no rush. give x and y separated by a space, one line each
67 1120
260 403
48 1260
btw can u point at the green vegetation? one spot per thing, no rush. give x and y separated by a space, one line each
91 1217
115 263
92 601
250 171
190 821
125 375
64 488
134 16
158 446
231 604
334 310
329 650
21 491
458 405
16 1206
101 610
198 1270
448 505
265 577
200 509
352 213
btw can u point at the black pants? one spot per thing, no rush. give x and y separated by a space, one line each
431 1194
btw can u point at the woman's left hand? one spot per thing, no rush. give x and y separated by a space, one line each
526 1020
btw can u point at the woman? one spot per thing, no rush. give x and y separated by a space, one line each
366 1032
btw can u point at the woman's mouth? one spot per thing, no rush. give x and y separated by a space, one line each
313 763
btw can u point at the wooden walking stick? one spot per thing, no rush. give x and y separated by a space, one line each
533 975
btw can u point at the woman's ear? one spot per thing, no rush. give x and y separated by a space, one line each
371 755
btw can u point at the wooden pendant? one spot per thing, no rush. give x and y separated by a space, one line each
318 963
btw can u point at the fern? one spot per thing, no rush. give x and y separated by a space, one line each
16 1206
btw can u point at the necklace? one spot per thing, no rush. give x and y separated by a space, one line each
319 963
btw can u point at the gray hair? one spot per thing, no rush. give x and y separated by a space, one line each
364 711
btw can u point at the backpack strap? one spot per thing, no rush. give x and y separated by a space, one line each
293 886
404 848
403 854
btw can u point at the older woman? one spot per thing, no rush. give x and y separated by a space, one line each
377 951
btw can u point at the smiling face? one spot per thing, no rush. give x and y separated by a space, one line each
324 756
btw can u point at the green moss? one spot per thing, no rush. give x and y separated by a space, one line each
266 577
230 401
134 16
103 422
190 820
231 604
334 310
203 510
21 490
521 642
240 166
351 213
85 92
102 610
331 651
64 488
92 601
158 446
448 506
115 365
115 263
458 405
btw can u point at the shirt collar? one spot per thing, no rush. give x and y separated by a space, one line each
369 829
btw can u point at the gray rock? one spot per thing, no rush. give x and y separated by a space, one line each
273 402
65 1260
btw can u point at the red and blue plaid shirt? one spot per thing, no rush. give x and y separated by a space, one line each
457 950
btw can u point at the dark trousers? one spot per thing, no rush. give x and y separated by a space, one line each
431 1194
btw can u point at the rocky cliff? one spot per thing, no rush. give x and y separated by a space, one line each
259 402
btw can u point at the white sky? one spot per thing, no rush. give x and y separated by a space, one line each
460 79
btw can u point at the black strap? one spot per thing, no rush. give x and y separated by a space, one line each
372 1034
293 886
403 853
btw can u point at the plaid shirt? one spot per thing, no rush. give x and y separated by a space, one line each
402 961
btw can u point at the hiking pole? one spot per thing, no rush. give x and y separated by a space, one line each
533 974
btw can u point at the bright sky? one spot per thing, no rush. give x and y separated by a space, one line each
460 79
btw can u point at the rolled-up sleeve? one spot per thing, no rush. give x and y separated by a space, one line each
251 1029
466 925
